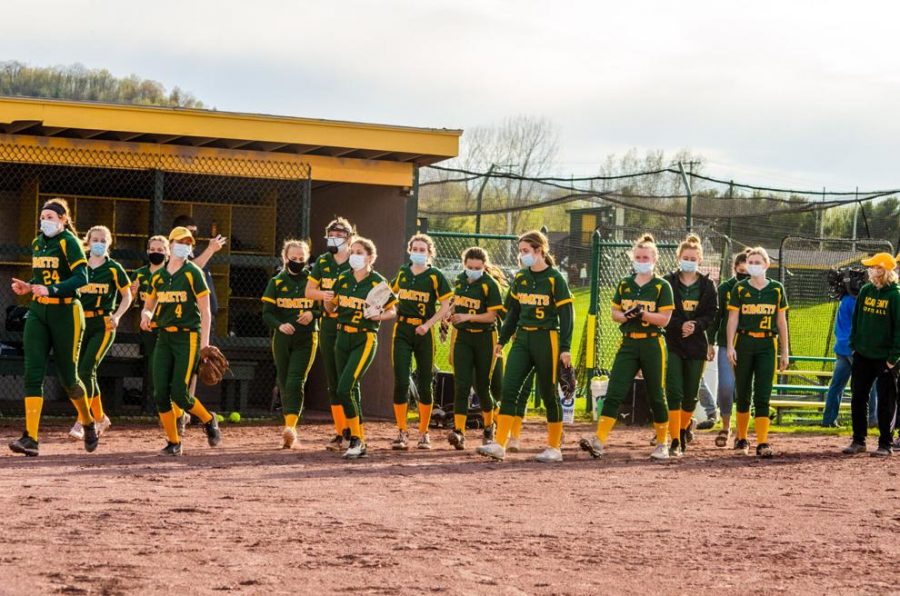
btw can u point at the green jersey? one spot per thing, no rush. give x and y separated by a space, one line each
758 308
284 301
350 298
55 260
325 272
690 297
717 332
419 295
654 296
176 296
540 295
875 330
143 275
476 298
104 284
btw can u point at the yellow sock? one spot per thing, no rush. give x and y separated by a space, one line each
673 427
686 418
459 422
168 423
488 418
516 429
662 429
605 425
400 414
424 417
178 411
762 429
353 423
554 434
84 410
290 420
33 407
97 407
340 422
362 432
504 423
743 424
200 412
495 412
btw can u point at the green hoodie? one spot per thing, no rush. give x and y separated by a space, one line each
875 331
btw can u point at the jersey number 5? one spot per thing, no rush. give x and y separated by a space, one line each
539 312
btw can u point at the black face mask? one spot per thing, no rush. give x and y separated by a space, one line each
295 267
156 258
742 276
333 249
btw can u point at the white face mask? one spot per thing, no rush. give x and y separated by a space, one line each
756 270
357 262
50 228
418 258
181 251
642 267
474 274
527 259
688 266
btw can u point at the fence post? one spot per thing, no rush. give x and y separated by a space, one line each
591 356
156 203
688 216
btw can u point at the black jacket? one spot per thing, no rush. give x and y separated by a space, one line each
695 345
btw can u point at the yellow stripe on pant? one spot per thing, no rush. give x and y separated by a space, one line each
367 350
192 355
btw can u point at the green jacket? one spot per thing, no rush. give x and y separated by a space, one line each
875 329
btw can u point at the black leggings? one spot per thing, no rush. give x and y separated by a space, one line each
865 372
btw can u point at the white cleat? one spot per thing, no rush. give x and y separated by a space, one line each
550 455
593 446
103 425
661 452
492 450
513 445
289 436
77 432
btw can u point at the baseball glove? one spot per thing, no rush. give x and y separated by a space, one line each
213 365
376 299
567 382
634 312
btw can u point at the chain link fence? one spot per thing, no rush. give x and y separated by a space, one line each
255 204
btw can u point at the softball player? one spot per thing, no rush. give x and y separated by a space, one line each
420 288
55 322
875 340
179 305
107 281
476 303
320 286
292 318
756 313
687 348
642 305
357 335
541 316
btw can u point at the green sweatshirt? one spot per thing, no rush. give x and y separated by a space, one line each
875 331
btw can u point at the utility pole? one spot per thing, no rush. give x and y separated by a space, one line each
688 216
487 178
855 220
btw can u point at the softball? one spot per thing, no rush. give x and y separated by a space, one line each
234 417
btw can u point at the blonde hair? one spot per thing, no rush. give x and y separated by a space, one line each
105 230
691 241
646 241
367 245
293 243
422 238
887 278
758 250
159 238
537 240
70 223
340 224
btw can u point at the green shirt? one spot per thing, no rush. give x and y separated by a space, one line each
56 260
326 270
142 275
284 301
655 296
475 299
540 294
350 298
419 295
718 332
757 308
690 297
176 296
103 287
875 329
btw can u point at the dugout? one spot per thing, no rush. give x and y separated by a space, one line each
256 179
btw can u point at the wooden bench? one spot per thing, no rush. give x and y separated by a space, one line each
786 405
236 384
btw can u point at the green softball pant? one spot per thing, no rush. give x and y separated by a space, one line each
754 373
649 356
148 345
406 345
57 327
293 356
175 360
328 333
497 389
683 377
95 345
534 351
353 353
473 362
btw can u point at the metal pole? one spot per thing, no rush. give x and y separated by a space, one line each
855 220
487 178
592 355
688 216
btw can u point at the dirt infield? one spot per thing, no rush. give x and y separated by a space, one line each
248 517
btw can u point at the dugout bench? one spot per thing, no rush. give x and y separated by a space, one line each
792 397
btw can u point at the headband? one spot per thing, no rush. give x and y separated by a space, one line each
55 207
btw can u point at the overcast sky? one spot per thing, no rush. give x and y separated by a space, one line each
786 92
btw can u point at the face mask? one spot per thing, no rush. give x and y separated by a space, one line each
156 258
688 266
50 228
181 251
357 262
527 259
741 276
474 274
334 244
756 270
418 258
98 249
295 267
642 267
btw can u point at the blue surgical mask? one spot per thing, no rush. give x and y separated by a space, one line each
642 267
50 228
688 266
527 259
418 258
181 251
98 249
474 274
357 262
756 270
